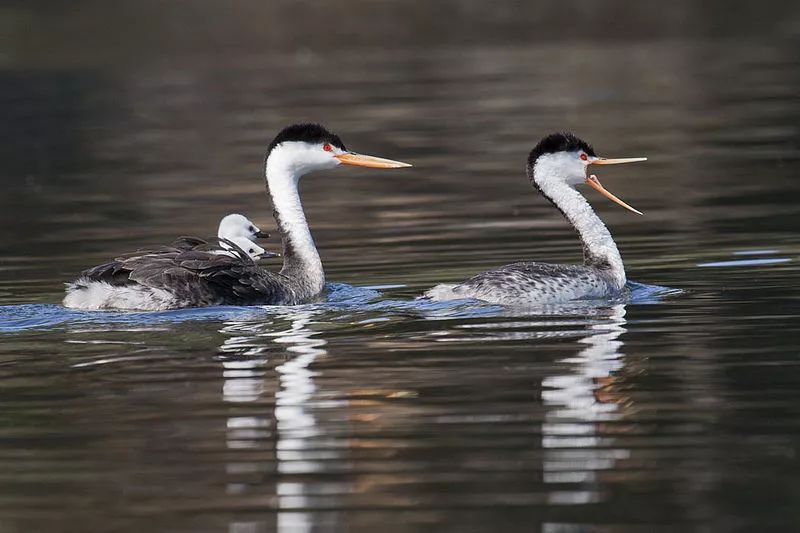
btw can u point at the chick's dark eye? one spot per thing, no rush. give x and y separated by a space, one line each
252 229
252 250
327 147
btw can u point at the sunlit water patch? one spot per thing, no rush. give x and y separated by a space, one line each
746 262
751 261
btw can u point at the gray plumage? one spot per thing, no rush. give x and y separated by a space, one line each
194 274
555 166
531 283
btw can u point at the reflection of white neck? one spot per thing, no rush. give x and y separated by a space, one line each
296 426
300 256
573 393
599 248
576 411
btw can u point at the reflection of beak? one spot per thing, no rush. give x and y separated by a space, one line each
594 183
262 235
619 161
359 160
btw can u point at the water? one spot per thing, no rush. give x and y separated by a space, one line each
668 410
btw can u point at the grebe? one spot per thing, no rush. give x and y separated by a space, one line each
240 244
555 165
241 231
236 233
170 278
236 225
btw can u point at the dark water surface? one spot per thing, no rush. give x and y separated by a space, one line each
373 411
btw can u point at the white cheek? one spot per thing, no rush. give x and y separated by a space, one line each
329 160
579 173
299 158
320 159
562 166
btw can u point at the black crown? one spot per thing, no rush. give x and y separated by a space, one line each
559 142
310 133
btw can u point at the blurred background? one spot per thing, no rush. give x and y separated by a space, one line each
128 123
115 111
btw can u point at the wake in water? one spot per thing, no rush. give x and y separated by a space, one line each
340 298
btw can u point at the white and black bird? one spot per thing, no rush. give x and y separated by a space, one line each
235 225
555 166
236 234
173 277
232 247
242 232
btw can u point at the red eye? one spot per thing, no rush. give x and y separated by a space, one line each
327 147
584 157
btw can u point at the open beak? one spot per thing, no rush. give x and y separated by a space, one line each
595 184
262 235
360 160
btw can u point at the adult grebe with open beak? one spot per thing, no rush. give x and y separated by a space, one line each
555 166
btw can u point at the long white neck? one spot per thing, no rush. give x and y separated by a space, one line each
599 249
300 256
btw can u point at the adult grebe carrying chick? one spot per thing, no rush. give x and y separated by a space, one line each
193 278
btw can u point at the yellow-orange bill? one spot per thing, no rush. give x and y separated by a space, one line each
594 183
617 161
360 160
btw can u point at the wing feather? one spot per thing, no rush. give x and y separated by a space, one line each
194 272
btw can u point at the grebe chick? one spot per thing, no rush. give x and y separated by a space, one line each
242 232
253 251
555 166
236 225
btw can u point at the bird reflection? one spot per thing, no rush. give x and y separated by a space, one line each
578 402
287 344
579 399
